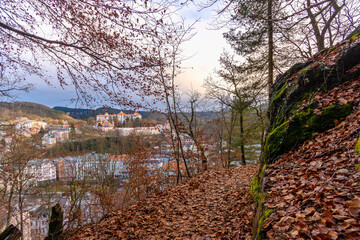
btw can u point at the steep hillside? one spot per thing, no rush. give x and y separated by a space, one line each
30 110
309 185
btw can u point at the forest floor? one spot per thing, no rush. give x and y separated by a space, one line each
213 205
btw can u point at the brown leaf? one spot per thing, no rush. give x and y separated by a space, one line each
309 210
354 207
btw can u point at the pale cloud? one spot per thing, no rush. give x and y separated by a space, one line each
205 48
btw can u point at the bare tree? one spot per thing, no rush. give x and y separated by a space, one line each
11 82
192 129
169 56
105 49
19 176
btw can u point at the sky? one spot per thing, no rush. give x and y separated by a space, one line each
204 50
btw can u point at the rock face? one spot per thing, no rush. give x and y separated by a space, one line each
292 123
55 225
10 233
309 184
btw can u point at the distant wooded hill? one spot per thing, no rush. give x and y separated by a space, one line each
80 113
33 111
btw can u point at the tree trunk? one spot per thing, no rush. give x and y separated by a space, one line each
242 142
271 47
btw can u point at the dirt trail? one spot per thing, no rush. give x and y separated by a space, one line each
214 205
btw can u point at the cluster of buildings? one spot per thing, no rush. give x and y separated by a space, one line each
88 165
27 128
56 134
35 216
109 120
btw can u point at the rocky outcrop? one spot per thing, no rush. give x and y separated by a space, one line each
308 186
291 123
10 233
56 221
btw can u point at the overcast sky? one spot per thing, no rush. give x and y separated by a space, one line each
205 48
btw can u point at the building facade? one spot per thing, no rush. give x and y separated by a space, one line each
107 120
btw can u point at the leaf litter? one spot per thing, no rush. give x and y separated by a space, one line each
213 205
314 190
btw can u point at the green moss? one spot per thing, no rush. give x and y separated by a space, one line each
304 71
321 51
301 127
331 48
255 187
320 123
354 36
357 147
357 166
279 93
263 169
254 191
275 139
265 214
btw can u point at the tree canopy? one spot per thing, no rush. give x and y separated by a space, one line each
106 47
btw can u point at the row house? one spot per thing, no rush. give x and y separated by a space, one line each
65 168
41 170
139 131
89 165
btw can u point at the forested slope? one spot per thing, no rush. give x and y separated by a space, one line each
30 110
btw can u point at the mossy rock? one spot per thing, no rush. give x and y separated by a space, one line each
289 90
255 187
301 127
265 214
357 147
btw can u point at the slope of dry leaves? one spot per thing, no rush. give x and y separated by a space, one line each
214 205
314 190
346 93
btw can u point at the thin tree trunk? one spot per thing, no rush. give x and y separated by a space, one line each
242 142
8 217
271 47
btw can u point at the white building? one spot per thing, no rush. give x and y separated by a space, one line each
60 135
39 222
41 170
140 131
108 119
